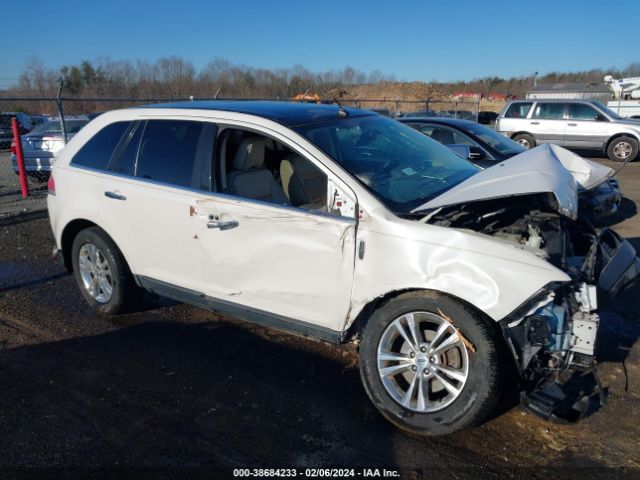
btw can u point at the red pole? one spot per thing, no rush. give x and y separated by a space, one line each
24 185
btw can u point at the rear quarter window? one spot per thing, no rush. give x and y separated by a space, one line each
518 110
99 148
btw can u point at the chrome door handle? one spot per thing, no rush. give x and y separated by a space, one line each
535 123
228 225
572 124
114 196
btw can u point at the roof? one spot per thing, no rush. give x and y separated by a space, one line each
286 113
571 87
442 120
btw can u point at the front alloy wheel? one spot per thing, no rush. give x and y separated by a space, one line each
430 363
422 362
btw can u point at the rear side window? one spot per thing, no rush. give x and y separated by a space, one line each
518 110
168 151
98 150
549 111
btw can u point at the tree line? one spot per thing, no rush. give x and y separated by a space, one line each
175 77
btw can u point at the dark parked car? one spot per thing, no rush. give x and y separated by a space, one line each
485 147
6 134
487 118
420 114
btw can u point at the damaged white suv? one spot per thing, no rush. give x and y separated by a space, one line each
344 225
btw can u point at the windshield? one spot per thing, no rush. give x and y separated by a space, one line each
399 165
54 126
608 111
499 142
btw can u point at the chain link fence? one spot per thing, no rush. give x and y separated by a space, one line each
465 109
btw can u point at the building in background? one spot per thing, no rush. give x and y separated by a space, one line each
571 91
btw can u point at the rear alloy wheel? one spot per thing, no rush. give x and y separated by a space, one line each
430 364
95 273
526 140
102 274
622 149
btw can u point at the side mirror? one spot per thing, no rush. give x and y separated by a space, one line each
601 118
468 152
476 153
463 150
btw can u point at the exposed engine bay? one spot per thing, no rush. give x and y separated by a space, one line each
553 335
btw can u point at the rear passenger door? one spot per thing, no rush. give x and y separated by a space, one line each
159 170
548 123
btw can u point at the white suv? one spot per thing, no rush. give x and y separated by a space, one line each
582 124
343 225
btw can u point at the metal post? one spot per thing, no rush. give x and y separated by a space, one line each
427 103
24 185
61 111
478 109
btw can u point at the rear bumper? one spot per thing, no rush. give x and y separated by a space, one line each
34 164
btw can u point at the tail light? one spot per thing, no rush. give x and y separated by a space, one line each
51 185
13 147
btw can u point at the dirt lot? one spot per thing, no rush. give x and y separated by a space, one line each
175 391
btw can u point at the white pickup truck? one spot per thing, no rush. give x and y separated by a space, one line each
627 96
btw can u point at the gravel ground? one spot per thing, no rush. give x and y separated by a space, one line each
176 391
11 201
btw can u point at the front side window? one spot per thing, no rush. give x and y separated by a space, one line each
495 140
581 111
549 111
446 135
518 110
97 152
258 167
167 152
402 167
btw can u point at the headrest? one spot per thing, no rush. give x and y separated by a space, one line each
443 135
250 154
302 167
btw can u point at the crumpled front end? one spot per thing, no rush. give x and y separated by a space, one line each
555 336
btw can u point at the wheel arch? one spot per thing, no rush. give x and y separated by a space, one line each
354 330
521 132
71 231
618 135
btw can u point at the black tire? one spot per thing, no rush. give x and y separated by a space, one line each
526 140
478 396
125 294
620 145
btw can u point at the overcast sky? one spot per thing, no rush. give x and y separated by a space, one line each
414 40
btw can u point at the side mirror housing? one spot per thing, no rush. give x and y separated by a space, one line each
476 153
468 152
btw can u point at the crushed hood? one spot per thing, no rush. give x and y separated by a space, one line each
587 174
540 170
